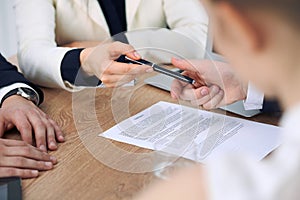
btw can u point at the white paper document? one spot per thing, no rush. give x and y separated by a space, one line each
194 133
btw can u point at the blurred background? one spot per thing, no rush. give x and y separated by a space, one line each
8 41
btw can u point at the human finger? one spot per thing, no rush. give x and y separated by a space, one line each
203 99
116 49
50 132
118 68
51 140
40 130
176 88
9 142
23 125
215 102
190 93
185 65
29 151
58 132
16 172
25 163
199 81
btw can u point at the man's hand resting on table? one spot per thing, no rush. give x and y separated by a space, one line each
17 158
31 122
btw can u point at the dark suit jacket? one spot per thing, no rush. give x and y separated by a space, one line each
10 75
271 106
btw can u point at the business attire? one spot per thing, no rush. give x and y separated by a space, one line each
43 25
11 79
255 101
275 178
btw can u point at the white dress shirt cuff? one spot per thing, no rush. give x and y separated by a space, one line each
7 89
255 98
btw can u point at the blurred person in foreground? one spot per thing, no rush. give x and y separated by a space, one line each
261 40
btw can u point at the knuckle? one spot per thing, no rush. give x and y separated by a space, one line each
128 69
40 127
105 80
25 126
12 172
47 124
20 161
40 165
19 112
113 47
25 173
32 112
109 71
45 156
44 115
111 85
23 143
208 106
26 150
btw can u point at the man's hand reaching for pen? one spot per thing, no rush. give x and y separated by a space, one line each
216 84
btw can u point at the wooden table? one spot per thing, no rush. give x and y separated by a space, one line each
79 175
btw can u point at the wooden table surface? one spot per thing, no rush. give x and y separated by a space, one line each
82 116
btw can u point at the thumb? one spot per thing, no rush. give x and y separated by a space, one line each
200 67
187 65
118 48
181 64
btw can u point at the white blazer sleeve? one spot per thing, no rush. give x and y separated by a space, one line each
186 38
39 57
189 18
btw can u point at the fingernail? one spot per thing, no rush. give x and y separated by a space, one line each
52 144
136 54
149 70
43 148
53 159
35 172
48 164
204 92
61 138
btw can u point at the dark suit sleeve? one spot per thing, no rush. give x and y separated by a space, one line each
271 106
71 70
10 75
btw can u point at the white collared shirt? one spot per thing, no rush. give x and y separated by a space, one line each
255 98
7 89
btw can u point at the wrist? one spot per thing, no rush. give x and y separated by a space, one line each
83 57
24 93
11 100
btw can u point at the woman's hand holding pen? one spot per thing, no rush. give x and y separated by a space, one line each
100 61
216 84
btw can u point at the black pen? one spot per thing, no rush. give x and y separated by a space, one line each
162 70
